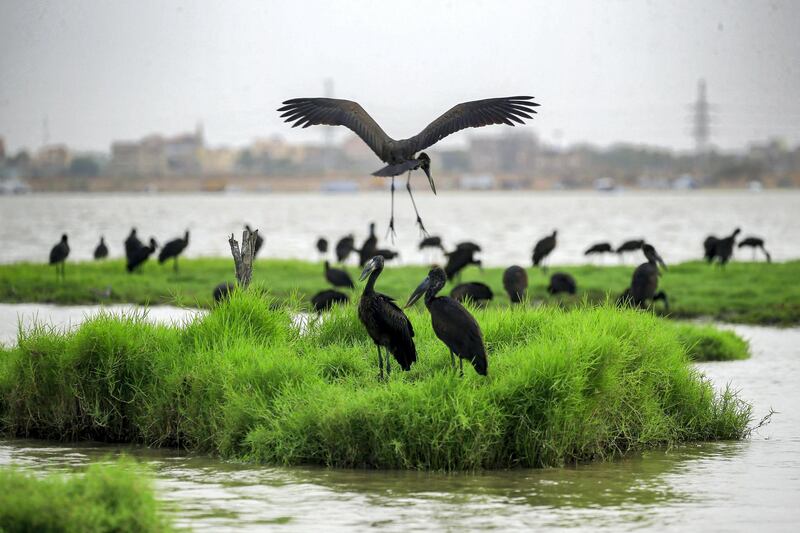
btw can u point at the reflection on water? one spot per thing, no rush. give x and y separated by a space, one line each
726 486
507 224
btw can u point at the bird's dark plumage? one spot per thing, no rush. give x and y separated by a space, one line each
543 248
367 250
562 282
222 290
630 246
173 249
458 260
755 242
599 248
259 240
452 323
385 323
59 254
468 246
322 245
338 277
139 256
387 254
723 250
132 243
479 293
324 300
433 241
710 248
344 247
101 251
644 282
515 282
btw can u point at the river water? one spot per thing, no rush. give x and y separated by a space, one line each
725 486
506 224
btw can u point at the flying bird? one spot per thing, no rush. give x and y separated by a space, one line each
406 155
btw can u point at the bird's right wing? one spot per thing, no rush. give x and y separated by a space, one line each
306 112
395 316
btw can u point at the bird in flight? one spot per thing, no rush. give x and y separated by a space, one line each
406 155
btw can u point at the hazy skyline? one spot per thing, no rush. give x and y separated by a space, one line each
604 72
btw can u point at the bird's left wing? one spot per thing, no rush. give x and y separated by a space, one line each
474 114
395 315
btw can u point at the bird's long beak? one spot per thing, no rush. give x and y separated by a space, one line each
661 262
430 179
419 291
368 268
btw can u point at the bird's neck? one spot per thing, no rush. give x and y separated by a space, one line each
371 281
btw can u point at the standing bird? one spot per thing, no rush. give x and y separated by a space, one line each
452 323
139 256
367 250
101 252
344 248
755 242
132 244
710 248
322 246
387 254
629 246
174 248
58 256
479 293
644 282
562 282
542 249
515 282
386 323
432 241
259 240
599 249
338 277
724 247
324 300
406 155
458 260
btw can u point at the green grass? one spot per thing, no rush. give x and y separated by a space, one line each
707 343
243 383
106 498
755 293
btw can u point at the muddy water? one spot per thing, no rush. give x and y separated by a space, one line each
728 486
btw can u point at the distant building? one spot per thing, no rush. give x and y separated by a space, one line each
52 160
483 182
511 153
155 156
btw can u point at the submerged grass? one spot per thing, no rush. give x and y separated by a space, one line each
106 498
756 293
242 383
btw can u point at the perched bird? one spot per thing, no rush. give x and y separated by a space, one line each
599 248
724 247
542 249
324 300
139 256
562 282
223 290
458 260
173 249
387 254
755 242
59 254
710 248
644 282
259 240
406 155
338 277
367 250
344 248
132 243
452 323
432 241
479 293
385 323
515 282
101 251
322 245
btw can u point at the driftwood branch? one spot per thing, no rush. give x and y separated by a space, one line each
243 259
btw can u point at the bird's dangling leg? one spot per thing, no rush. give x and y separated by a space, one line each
380 362
390 230
423 231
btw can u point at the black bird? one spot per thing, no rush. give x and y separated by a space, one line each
479 293
629 246
139 256
386 323
755 242
387 254
338 277
724 247
132 244
432 241
59 254
259 240
452 323
469 246
223 290
710 248
174 248
322 246
367 250
562 282
324 300
515 282
458 260
644 282
542 249
599 248
101 252
344 248
405 155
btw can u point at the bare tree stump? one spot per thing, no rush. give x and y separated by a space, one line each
244 260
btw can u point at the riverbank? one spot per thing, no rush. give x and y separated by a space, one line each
751 293
243 383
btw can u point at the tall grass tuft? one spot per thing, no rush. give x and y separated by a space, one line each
243 382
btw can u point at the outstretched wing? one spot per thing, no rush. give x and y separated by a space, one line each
306 112
474 114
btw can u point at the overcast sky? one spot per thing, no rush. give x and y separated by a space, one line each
603 71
